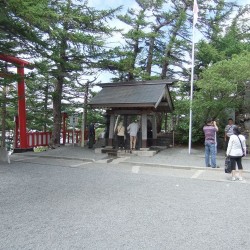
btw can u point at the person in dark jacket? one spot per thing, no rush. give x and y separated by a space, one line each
229 131
91 135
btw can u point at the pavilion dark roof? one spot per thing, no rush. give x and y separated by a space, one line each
147 94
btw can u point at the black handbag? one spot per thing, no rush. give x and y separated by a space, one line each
228 168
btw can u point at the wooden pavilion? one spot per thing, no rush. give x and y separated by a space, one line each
134 99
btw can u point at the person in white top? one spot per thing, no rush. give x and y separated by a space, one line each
132 130
236 150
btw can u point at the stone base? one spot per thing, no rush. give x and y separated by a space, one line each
4 155
121 153
144 149
22 150
145 153
110 151
98 150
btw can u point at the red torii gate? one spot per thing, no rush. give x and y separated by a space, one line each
20 64
27 139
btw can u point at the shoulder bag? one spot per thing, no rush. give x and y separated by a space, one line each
243 152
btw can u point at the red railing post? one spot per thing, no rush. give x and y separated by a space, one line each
65 116
16 132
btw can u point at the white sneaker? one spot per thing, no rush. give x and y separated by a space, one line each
233 178
240 178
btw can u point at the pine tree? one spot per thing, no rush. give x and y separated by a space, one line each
74 44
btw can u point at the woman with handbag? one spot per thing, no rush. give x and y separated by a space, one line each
236 150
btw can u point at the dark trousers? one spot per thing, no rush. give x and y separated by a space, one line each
235 160
91 141
120 141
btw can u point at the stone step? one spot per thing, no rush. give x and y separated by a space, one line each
120 153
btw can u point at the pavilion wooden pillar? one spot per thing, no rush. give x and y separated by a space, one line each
154 129
144 130
111 130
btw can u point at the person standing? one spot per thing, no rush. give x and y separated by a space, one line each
91 135
210 130
120 130
132 130
236 150
229 131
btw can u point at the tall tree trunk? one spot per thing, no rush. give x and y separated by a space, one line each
84 115
150 55
156 30
165 64
135 53
170 45
57 97
86 94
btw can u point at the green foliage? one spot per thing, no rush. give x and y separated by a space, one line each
221 66
96 116
207 53
18 25
221 87
99 131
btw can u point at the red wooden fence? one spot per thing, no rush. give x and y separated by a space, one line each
36 139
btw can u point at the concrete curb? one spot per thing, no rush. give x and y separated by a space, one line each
176 166
60 157
110 160
180 167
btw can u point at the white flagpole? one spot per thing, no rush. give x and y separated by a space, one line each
195 17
